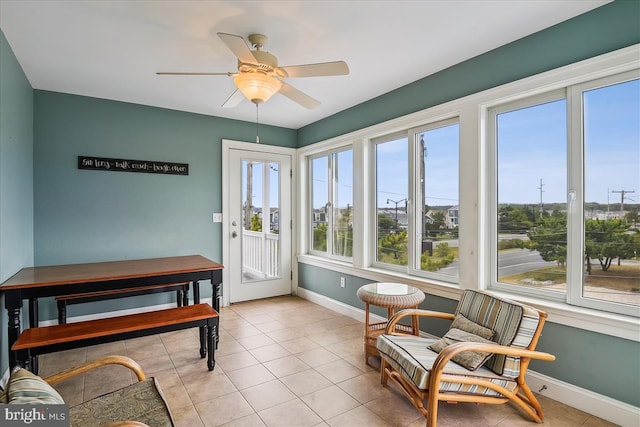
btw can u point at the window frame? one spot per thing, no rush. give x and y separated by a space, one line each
373 209
576 185
331 195
415 244
492 167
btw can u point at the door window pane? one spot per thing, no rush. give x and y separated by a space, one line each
260 221
611 117
439 154
531 196
392 188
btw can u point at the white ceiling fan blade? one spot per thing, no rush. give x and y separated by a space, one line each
235 99
239 47
336 68
297 96
181 73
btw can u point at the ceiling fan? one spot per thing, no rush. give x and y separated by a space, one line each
259 77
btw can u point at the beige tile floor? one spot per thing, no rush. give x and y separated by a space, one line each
281 362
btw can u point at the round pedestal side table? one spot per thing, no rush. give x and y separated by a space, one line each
392 296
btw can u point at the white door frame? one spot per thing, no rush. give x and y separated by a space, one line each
228 145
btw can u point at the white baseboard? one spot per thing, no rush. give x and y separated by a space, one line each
585 400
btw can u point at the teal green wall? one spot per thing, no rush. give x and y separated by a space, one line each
87 216
600 363
16 176
604 364
601 30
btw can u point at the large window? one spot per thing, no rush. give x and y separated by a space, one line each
609 111
332 204
437 213
417 207
392 196
531 242
574 239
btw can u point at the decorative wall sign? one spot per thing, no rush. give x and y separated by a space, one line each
124 165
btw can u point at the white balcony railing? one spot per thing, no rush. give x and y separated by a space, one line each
260 254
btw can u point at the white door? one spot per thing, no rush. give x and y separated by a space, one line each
258 225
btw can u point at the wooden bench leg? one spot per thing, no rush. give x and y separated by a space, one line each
185 296
179 297
34 320
203 342
211 334
62 312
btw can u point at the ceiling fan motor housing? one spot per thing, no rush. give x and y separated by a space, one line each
267 63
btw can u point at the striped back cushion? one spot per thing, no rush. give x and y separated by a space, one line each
514 324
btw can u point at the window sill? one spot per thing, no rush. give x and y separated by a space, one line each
612 324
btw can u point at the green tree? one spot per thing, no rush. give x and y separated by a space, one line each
256 223
443 255
549 237
606 240
439 221
442 250
394 245
343 234
385 225
512 218
320 237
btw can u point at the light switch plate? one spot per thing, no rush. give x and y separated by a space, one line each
217 217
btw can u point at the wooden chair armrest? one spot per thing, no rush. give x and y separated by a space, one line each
391 324
107 360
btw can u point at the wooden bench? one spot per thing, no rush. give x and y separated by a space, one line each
181 289
48 339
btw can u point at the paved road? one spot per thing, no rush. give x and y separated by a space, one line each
512 261
516 261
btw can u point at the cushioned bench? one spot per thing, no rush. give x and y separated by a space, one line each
181 289
48 339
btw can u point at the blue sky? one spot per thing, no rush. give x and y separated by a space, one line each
532 147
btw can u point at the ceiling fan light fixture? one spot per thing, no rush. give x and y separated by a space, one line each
257 87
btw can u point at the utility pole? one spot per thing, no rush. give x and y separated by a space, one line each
541 191
622 193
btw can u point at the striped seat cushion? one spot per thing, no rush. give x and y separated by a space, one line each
27 388
410 356
514 324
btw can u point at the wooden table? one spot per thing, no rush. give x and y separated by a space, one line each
37 282
391 296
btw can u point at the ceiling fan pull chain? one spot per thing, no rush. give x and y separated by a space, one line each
257 122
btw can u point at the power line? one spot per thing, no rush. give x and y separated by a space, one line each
622 193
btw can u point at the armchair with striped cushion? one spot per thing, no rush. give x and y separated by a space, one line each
483 358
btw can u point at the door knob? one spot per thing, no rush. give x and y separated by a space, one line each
234 234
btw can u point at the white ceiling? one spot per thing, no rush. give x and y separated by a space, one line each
112 49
